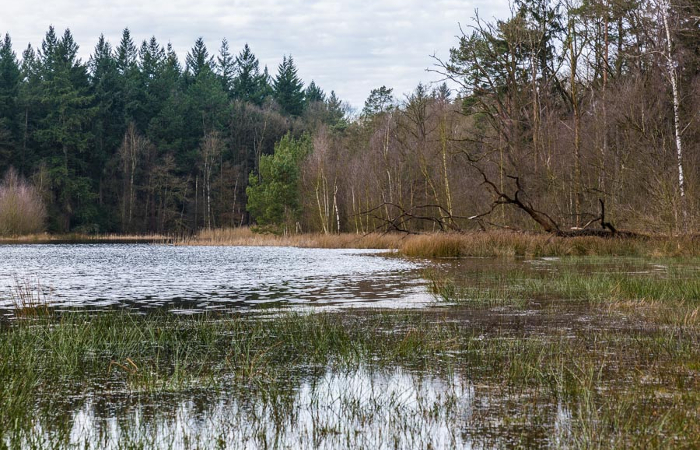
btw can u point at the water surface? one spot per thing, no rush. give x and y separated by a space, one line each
204 278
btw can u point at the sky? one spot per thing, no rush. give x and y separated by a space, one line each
350 46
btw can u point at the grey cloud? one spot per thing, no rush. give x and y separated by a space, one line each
349 46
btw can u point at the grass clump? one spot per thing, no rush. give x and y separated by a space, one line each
30 299
669 287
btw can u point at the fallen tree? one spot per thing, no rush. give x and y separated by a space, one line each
543 219
397 218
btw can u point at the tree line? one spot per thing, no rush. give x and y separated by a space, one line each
563 107
131 141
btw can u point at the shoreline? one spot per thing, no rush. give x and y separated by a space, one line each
432 245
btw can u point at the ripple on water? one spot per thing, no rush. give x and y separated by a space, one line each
187 278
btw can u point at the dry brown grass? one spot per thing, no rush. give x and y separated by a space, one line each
433 245
512 244
654 311
442 245
244 236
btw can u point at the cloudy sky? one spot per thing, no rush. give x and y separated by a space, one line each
351 46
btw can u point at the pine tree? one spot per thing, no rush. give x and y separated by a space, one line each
127 53
130 90
288 88
265 89
226 66
198 59
380 100
314 93
105 81
273 194
206 99
249 85
152 56
336 112
9 93
64 129
29 103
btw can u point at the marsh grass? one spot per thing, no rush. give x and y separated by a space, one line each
632 387
622 372
665 290
453 245
433 245
244 236
30 299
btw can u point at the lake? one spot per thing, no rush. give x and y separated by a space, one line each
191 279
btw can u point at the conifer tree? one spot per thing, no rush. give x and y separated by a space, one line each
63 132
314 93
288 88
127 53
336 112
249 84
129 107
226 66
29 103
198 59
9 92
152 56
105 81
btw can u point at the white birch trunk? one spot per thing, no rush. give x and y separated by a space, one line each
671 67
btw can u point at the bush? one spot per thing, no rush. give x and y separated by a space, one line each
22 210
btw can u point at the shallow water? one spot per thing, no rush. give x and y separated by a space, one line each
456 400
206 278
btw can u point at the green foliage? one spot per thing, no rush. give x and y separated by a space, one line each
63 121
249 85
288 88
273 194
380 100
198 59
314 93
226 67
9 90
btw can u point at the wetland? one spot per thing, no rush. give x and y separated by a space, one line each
157 346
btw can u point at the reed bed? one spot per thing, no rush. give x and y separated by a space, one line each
244 236
453 245
432 245
30 299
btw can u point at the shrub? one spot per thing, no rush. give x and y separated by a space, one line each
22 210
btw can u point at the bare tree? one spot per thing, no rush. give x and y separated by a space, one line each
133 147
210 149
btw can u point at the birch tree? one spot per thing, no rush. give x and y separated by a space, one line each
671 73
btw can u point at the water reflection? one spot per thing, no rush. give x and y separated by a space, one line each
360 408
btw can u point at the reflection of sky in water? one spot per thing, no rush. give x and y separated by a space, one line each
357 409
210 277
337 409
